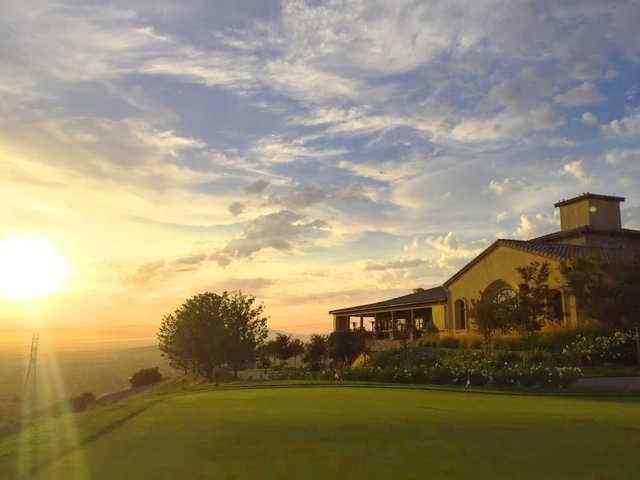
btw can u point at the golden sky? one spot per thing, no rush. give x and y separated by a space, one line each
311 154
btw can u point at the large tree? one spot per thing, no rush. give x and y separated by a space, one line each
534 305
210 330
491 316
296 348
345 346
316 351
282 347
607 291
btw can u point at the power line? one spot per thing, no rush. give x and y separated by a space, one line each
30 379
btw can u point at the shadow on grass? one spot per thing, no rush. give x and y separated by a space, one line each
93 437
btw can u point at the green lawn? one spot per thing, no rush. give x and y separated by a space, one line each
335 433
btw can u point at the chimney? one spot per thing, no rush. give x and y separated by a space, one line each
590 210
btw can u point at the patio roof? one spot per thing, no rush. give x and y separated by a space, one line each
423 297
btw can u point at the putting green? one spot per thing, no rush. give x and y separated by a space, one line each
334 433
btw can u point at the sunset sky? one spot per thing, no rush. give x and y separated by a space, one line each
315 154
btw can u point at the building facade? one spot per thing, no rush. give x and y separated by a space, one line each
590 225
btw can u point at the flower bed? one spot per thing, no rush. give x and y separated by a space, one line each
617 348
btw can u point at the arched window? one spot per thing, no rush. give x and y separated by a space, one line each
556 306
460 311
505 296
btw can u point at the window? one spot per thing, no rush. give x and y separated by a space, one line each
460 311
504 296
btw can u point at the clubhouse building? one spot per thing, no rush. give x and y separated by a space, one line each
590 225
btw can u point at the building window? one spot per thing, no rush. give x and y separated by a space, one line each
460 311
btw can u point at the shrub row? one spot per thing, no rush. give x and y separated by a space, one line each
617 348
447 374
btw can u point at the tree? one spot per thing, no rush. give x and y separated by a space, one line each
609 292
282 347
296 347
534 306
210 330
263 353
491 316
345 346
316 351
246 329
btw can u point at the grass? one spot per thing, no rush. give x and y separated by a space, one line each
319 432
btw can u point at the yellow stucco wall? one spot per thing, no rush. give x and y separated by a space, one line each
574 215
596 212
501 264
604 213
439 317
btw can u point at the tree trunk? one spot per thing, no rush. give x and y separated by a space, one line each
638 345
235 373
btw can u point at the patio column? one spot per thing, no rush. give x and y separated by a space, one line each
361 322
411 326
393 325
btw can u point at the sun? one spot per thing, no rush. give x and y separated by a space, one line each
30 268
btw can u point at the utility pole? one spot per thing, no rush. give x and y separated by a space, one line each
30 380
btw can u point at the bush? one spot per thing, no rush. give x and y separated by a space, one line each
146 376
82 401
449 342
598 351
504 370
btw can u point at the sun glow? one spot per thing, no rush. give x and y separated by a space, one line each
30 268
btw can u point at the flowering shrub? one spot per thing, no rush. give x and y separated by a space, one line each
475 369
600 350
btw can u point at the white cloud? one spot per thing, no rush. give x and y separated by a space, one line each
539 224
583 94
573 166
274 150
589 118
507 185
626 126
620 156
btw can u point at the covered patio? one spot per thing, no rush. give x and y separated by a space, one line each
401 318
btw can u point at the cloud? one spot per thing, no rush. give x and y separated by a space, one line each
589 118
622 156
534 226
236 208
257 187
499 187
394 264
249 285
444 242
282 231
583 94
298 196
276 150
189 262
623 127
148 272
573 167
355 193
